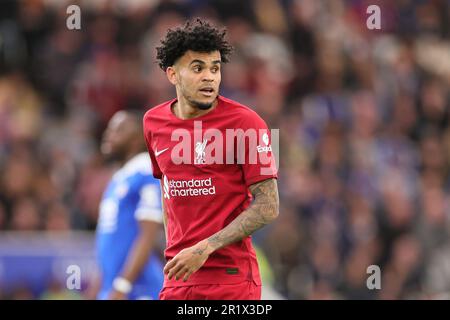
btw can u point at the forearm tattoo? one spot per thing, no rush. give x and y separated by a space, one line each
262 211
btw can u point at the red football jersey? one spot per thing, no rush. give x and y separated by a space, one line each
207 165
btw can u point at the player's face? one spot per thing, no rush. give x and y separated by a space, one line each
198 77
116 137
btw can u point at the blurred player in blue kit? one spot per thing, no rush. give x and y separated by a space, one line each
130 216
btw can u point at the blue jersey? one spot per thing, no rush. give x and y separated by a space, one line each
133 194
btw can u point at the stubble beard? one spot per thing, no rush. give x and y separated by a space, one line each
201 105
198 104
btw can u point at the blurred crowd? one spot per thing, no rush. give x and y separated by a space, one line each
363 118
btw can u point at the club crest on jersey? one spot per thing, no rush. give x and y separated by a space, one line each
266 147
200 152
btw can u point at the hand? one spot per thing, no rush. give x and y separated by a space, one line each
188 261
116 295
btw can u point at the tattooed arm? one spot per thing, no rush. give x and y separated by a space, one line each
262 211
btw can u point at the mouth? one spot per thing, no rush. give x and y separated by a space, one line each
207 91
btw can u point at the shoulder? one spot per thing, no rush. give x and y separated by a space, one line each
138 165
158 111
233 106
246 115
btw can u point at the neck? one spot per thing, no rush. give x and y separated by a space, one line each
128 156
184 110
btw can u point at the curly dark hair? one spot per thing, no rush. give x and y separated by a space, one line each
197 35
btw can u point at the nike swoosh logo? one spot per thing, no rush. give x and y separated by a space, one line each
157 153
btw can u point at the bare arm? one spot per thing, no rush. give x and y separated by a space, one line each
139 253
263 210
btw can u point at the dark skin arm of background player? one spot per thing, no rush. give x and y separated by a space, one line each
138 255
263 210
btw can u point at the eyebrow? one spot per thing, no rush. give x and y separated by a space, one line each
203 63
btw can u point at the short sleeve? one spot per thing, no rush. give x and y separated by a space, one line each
260 162
148 141
149 205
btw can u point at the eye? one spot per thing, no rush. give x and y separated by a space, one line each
215 69
197 68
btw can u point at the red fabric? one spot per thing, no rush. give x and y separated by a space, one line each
201 199
246 290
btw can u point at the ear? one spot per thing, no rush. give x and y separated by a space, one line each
172 75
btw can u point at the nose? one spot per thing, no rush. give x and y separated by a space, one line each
208 76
